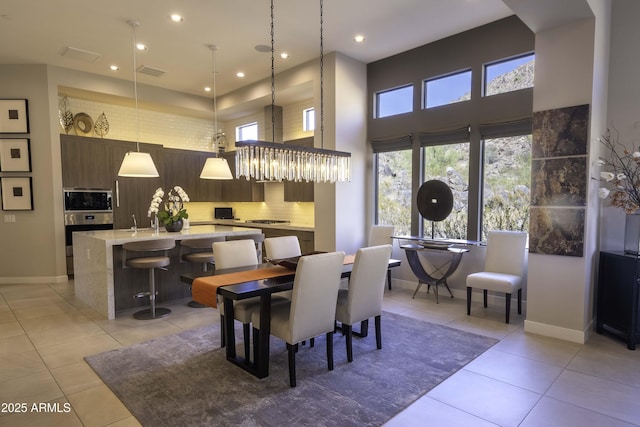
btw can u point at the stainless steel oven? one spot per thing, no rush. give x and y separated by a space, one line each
85 210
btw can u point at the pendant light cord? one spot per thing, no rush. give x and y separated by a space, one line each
321 76
273 81
214 48
134 24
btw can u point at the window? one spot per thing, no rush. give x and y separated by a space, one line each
394 190
509 75
506 184
449 163
247 132
394 101
447 89
308 119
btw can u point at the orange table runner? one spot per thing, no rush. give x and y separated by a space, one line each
204 289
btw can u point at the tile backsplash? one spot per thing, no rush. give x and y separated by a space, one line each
298 213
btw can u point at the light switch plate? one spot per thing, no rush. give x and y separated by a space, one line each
9 218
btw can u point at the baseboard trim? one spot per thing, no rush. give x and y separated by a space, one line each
33 280
566 334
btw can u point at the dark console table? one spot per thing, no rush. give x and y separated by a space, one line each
618 294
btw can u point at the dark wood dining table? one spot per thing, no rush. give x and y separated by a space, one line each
262 289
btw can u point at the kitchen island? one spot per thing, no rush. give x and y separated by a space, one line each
102 283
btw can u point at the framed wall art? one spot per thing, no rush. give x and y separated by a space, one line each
15 155
14 116
17 194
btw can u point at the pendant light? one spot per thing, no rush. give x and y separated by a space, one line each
215 167
270 161
136 164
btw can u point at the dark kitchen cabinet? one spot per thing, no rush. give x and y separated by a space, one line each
617 305
183 167
240 189
299 191
85 162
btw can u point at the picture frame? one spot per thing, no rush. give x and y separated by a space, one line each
14 116
15 155
17 194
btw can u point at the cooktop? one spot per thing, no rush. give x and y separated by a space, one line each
267 221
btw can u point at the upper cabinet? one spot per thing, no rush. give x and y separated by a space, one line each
240 189
86 162
299 191
183 167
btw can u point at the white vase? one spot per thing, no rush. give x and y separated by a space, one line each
632 234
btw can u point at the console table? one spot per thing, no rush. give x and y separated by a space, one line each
617 304
453 248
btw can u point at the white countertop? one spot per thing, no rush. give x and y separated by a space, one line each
118 237
237 223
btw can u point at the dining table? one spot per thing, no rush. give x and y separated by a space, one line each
236 284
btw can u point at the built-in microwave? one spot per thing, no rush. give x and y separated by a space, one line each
87 200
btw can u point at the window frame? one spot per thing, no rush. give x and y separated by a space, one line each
239 130
376 100
426 81
309 123
502 61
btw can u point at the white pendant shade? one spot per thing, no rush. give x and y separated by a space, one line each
216 168
138 165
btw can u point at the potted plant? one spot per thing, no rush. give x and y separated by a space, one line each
173 212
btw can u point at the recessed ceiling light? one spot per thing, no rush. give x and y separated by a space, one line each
284 55
240 74
359 38
114 67
176 18
207 89
141 46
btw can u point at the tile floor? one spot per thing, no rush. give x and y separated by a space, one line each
524 380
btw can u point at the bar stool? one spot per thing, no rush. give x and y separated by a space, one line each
150 263
200 252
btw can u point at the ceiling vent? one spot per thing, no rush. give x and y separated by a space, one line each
150 71
81 55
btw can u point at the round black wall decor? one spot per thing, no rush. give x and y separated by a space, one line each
435 200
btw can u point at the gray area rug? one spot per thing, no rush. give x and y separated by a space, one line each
185 380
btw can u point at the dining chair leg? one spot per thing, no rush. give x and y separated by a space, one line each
520 301
378 332
312 342
222 340
291 349
246 333
508 304
347 330
389 278
469 292
484 292
330 350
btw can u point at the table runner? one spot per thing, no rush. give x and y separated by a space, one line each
204 289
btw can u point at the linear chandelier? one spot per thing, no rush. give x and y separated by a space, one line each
271 161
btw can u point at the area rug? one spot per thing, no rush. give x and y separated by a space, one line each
185 380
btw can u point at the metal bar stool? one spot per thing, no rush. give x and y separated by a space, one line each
150 263
200 251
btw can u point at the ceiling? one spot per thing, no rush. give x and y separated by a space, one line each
39 32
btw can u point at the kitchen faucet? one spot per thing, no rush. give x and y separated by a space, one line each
135 223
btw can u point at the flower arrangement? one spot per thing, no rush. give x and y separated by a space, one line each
174 210
622 174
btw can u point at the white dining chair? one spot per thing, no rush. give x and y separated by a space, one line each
235 254
363 299
381 235
504 268
311 311
282 247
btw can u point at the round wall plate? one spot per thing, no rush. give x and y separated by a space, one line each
435 200
83 124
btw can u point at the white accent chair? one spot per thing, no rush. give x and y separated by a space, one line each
504 268
363 299
235 254
282 247
312 309
381 235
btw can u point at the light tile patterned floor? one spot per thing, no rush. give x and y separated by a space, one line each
524 380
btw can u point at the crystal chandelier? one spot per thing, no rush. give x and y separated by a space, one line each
271 161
